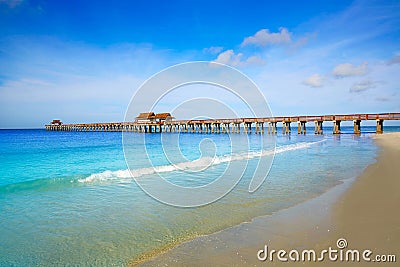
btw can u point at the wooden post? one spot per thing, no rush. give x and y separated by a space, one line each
379 126
357 126
286 127
274 127
301 127
336 127
318 127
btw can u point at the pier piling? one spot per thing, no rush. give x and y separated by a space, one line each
336 127
318 127
379 126
357 126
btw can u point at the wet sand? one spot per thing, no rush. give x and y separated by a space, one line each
364 211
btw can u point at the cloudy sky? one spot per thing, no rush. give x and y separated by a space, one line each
81 61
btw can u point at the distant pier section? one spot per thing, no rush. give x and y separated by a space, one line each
150 122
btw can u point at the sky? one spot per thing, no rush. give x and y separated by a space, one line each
82 61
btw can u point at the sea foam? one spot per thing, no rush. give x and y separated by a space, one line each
192 166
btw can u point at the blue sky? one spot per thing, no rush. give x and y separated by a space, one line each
82 61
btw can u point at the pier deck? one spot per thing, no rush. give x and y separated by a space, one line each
230 125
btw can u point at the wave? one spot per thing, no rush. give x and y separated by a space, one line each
125 176
193 166
42 184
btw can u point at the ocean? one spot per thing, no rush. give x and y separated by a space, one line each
67 198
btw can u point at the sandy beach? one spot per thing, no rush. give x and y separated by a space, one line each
363 212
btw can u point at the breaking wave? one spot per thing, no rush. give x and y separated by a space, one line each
195 165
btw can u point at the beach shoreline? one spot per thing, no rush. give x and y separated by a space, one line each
357 210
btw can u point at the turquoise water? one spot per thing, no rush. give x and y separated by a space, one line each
66 198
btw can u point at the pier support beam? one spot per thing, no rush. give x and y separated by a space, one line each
286 127
301 127
336 127
357 126
208 128
318 127
225 128
259 127
272 128
379 126
237 128
247 127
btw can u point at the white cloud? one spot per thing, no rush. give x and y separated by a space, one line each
264 37
394 60
299 43
314 80
229 57
255 60
213 50
362 86
347 69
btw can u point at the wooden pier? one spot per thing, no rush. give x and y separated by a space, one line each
158 123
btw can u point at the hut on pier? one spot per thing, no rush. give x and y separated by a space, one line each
160 117
146 117
56 122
